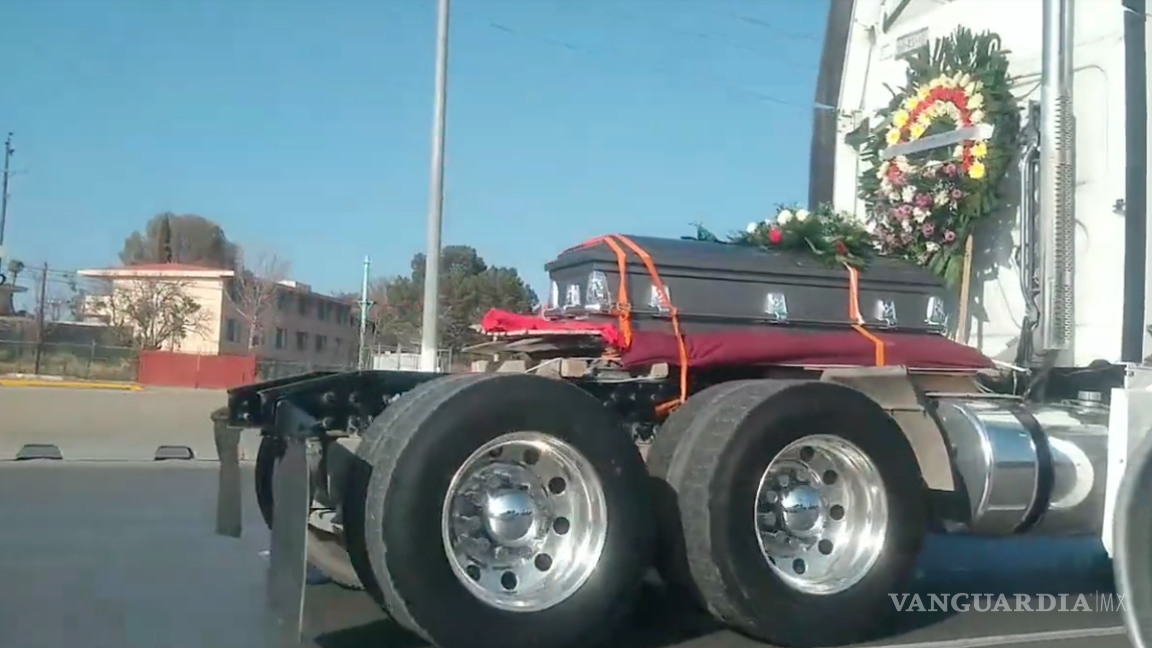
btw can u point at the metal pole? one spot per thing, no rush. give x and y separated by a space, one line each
362 360
42 303
8 151
429 342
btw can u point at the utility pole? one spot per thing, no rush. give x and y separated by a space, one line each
429 338
362 359
40 306
8 151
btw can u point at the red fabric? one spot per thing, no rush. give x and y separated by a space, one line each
759 346
780 346
498 321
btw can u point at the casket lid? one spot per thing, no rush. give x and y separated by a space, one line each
677 256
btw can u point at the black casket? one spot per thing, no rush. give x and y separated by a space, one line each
716 286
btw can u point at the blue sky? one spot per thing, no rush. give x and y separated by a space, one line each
303 127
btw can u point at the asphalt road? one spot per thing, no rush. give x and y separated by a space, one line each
108 555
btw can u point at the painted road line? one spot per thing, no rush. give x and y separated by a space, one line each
70 384
1005 640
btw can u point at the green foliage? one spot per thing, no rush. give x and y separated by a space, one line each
184 238
833 237
469 287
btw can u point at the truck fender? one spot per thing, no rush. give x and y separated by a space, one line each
893 390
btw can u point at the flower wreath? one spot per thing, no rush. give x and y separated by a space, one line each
830 236
924 206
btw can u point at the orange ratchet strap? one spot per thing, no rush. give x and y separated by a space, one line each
624 308
857 319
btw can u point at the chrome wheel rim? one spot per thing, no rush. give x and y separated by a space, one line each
821 514
524 522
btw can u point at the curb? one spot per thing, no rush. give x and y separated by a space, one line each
70 384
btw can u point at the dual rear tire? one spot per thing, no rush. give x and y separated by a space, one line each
502 511
514 511
786 504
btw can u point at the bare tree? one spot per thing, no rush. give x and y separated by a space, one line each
153 313
254 288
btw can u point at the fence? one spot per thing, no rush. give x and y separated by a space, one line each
169 369
85 361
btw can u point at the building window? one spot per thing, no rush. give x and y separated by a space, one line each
301 341
302 306
342 314
232 330
257 340
281 338
323 309
321 343
282 299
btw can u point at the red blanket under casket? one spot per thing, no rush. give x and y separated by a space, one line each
763 346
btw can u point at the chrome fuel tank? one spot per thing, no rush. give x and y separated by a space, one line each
1027 467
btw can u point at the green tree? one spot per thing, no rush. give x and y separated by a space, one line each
180 238
469 287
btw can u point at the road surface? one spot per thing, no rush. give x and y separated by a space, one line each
119 552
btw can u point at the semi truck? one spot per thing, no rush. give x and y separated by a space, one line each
775 437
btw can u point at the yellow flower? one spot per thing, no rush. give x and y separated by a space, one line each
923 94
976 171
916 130
893 137
900 118
979 150
924 119
911 102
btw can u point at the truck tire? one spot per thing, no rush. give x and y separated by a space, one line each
670 553
325 552
360 474
508 511
776 484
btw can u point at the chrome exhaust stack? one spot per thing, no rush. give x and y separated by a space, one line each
1057 184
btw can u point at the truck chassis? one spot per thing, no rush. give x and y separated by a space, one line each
514 509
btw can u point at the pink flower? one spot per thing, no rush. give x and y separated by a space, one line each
957 194
923 200
926 229
949 236
904 211
949 169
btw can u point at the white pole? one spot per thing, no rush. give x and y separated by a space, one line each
429 341
362 361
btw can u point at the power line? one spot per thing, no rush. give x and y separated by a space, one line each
715 81
724 40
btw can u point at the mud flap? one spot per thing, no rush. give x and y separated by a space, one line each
228 498
292 493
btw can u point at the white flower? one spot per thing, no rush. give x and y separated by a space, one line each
977 116
941 198
932 246
752 227
919 214
975 101
783 217
802 215
908 194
